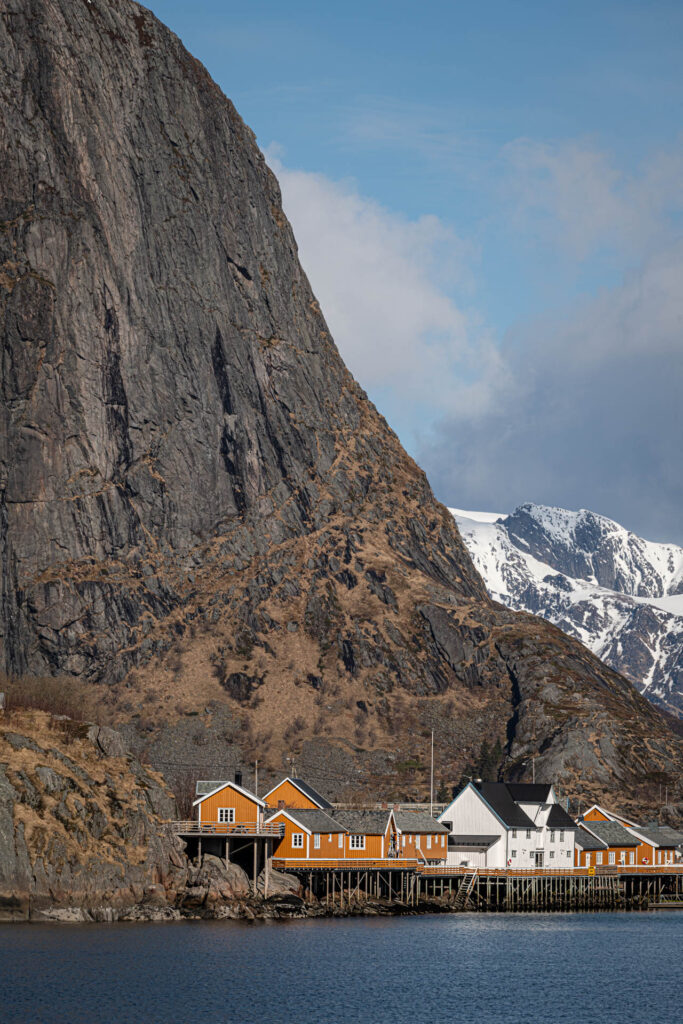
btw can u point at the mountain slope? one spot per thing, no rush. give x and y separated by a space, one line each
201 512
618 594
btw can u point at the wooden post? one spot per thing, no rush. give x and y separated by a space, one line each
255 869
227 850
199 851
266 866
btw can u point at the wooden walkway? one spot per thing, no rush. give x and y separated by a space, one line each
486 889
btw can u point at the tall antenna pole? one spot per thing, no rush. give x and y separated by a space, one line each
431 780
533 769
256 778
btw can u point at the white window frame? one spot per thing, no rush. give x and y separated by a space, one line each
631 857
340 841
587 859
316 840
551 855
513 853
226 815
561 836
429 842
297 840
598 857
528 833
514 833
552 837
357 842
612 856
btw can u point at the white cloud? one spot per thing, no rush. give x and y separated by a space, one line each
574 193
385 284
580 408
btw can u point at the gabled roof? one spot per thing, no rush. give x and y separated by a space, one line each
309 819
306 789
230 785
587 841
558 818
609 814
498 797
369 823
611 832
417 821
529 792
658 835
203 787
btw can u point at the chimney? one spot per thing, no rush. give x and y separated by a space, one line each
238 777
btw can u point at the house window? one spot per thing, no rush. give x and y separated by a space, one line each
226 815
552 854
528 833
561 837
357 842
329 838
340 840
316 841
552 837
514 853
598 858
631 857
514 833
612 857
569 853
587 860
297 840
429 842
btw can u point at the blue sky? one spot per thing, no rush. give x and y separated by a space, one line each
487 199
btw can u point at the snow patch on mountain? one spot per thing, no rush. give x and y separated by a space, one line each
621 595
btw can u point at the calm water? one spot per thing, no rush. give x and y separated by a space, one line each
516 969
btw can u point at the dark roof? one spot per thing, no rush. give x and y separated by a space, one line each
661 834
612 833
529 792
312 819
588 842
499 798
558 818
203 787
312 794
455 841
369 823
417 821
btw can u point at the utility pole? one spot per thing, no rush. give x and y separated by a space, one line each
533 769
431 780
256 778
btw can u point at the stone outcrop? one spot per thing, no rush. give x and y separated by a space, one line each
80 828
198 504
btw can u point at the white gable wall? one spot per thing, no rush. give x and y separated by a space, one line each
469 816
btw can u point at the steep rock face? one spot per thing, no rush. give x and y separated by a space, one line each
79 826
197 502
618 594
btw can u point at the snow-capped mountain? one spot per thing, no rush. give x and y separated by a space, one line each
622 596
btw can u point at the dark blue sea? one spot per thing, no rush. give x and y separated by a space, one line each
513 969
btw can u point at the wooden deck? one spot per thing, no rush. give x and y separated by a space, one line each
452 871
236 828
350 864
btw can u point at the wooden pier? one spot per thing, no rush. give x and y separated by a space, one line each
489 890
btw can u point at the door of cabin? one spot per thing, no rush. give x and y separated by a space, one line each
539 858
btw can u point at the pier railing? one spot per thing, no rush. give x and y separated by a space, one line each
233 828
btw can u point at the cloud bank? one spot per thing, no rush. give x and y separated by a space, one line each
580 407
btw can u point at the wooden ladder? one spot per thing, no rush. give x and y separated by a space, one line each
465 890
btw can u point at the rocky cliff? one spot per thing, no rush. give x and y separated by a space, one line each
200 511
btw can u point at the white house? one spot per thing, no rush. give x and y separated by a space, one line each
507 824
